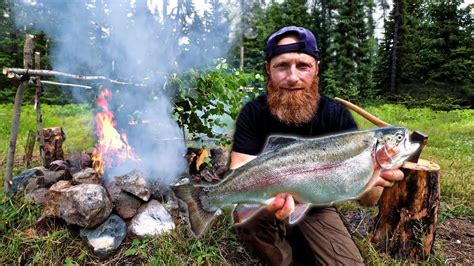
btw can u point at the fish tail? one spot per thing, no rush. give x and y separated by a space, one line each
200 213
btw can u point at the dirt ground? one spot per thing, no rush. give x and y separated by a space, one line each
454 238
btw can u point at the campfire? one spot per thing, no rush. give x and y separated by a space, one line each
81 190
112 148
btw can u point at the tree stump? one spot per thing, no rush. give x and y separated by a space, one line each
53 144
406 223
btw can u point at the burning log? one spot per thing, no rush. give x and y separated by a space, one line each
210 168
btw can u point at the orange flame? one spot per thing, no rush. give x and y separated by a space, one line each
112 148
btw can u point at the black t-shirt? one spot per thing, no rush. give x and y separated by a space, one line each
255 123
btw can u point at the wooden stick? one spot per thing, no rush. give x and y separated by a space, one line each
39 114
27 63
10 72
65 84
373 119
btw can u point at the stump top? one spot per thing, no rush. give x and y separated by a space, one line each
421 165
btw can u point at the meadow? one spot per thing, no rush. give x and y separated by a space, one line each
450 144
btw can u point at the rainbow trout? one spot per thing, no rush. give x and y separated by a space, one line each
316 171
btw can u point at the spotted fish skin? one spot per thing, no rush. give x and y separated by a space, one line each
316 171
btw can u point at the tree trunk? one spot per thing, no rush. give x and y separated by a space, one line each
406 223
27 64
53 144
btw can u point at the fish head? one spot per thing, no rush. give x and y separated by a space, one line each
393 146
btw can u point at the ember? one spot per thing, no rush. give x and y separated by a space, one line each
112 148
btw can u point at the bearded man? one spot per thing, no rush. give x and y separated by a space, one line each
293 106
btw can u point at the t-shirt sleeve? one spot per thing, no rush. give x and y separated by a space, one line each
245 136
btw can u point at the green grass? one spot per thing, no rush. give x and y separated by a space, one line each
450 145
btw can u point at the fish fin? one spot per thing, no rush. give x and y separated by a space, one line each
199 214
243 212
275 142
299 212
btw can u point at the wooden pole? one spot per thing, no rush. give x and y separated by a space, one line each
27 64
10 72
39 115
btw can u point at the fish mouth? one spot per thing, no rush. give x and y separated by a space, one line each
408 148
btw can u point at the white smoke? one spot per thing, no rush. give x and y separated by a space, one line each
125 40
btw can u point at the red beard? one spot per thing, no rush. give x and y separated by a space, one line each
293 108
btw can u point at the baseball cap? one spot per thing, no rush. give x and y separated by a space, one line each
307 43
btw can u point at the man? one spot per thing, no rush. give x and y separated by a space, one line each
293 106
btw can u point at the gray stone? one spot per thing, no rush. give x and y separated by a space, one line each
48 178
135 183
86 205
107 237
127 205
37 196
59 165
86 176
151 220
19 182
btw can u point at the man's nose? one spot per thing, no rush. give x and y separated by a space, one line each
292 74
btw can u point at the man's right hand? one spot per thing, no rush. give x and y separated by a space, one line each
283 205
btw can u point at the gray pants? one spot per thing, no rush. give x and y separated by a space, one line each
320 238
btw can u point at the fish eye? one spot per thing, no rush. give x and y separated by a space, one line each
399 137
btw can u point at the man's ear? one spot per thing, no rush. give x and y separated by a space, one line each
267 67
317 66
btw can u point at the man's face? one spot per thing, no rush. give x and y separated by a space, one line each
292 85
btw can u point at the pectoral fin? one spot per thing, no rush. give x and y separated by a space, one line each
243 212
299 212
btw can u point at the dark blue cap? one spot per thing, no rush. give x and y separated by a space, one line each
307 43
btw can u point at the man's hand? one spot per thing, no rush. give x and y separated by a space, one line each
388 177
282 206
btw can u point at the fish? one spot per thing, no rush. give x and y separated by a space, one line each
315 171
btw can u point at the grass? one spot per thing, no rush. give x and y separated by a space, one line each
450 145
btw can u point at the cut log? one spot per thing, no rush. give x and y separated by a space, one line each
405 226
53 144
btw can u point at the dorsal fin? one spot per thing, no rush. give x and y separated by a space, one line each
275 142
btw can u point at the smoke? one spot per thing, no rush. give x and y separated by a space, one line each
125 40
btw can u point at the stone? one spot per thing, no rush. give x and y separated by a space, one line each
50 177
37 196
86 205
19 182
135 183
107 237
59 165
113 189
126 205
151 220
86 176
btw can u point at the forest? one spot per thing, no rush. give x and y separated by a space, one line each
420 53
